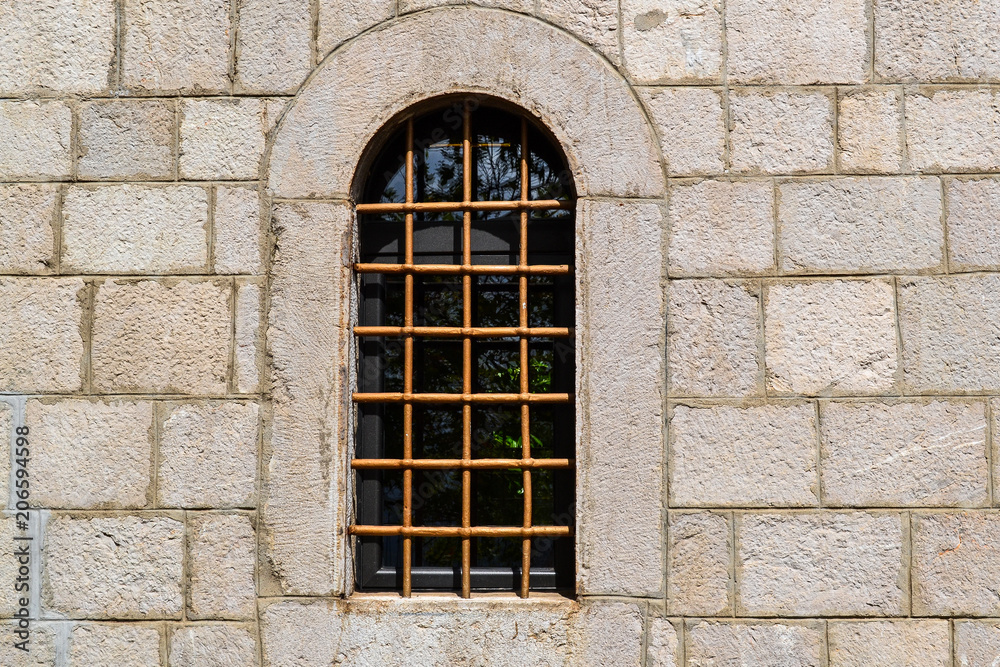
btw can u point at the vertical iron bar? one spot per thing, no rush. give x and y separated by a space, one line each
523 322
466 352
408 370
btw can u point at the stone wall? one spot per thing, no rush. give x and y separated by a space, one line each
789 256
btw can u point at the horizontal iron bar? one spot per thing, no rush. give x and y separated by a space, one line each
456 531
462 332
446 464
444 206
400 397
467 269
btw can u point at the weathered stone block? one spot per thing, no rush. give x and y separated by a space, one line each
91 454
340 20
27 224
6 439
126 139
594 21
35 139
904 454
662 644
860 225
977 643
692 128
778 132
213 646
953 130
820 564
746 643
221 556
890 643
208 455
113 567
973 223
672 40
743 457
870 131
135 229
721 227
713 328
274 46
238 231
830 337
121 645
9 597
698 565
157 337
956 564
249 347
42 651
222 139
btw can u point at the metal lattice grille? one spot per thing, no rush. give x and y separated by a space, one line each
410 334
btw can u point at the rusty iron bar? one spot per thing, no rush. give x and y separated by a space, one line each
466 351
474 464
408 372
465 532
401 397
525 388
468 269
461 332
448 207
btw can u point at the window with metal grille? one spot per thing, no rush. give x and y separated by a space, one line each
464 466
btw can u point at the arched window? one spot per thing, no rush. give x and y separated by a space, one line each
465 415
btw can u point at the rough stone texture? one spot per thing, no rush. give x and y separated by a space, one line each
870 131
953 130
698 565
712 335
781 132
672 40
743 457
973 224
662 644
213 646
171 338
6 435
208 455
935 40
860 225
42 647
27 228
91 454
221 559
830 337
905 454
416 5
821 564
774 644
9 598
977 643
176 45
237 230
692 128
910 643
620 391
594 21
949 327
102 645
113 567
248 344
135 229
126 139
41 342
956 564
342 19
222 139
34 139
273 48
721 227
797 41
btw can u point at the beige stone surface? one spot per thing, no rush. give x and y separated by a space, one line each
691 123
973 223
593 21
213 646
208 455
9 598
131 139
773 644
7 421
237 226
135 229
662 644
342 19
222 138
781 132
417 5
870 130
698 564
890 643
113 567
721 228
41 342
91 454
830 337
977 643
728 456
956 564
122 645
672 40
249 347
35 139
42 647
953 130
904 454
274 47
182 45
821 564
860 225
27 228
161 337
713 330
221 556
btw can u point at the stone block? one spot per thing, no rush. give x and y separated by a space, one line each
953 130
135 229
249 347
7 436
113 567
90 455
779 132
904 454
956 564
237 226
606 633
35 140
977 643
222 138
182 45
712 643
9 566
208 455
672 40
713 330
42 649
728 456
830 337
129 139
41 341
662 644
692 128
27 228
821 564
593 21
340 20
213 646
157 337
973 209
221 556
274 45
698 565
890 643
870 131
860 225
721 227
120 645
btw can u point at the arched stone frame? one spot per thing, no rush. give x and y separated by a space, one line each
621 378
